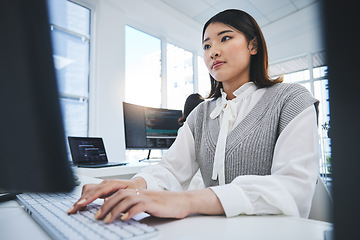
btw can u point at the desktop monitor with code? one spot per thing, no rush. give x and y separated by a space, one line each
150 128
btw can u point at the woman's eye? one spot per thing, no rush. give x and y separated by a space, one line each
225 38
205 47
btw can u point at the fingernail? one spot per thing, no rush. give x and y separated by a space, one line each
68 211
81 201
123 217
108 217
97 214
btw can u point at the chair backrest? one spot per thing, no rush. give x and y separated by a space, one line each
322 203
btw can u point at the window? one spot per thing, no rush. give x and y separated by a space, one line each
142 68
311 72
180 80
203 78
144 83
321 92
142 76
70 33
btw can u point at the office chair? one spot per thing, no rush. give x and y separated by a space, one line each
322 203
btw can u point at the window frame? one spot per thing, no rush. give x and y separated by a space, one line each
79 97
324 167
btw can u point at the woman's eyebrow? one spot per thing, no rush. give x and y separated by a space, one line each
220 33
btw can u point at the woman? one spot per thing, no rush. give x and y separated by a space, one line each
255 142
191 102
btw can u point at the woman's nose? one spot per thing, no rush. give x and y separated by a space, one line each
215 53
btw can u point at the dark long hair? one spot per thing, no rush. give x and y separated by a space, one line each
191 102
259 63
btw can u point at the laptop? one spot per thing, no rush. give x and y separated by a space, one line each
89 152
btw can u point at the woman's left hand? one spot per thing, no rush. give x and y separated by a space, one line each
164 204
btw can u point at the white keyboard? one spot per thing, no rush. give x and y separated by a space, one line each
49 210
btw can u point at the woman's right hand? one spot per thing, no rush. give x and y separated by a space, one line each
91 192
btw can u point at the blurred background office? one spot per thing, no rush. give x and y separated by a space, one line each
149 53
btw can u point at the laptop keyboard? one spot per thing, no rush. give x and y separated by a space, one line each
49 210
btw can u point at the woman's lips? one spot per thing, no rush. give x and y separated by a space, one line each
217 64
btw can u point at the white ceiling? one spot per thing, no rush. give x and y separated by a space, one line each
264 11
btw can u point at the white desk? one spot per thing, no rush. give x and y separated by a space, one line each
15 223
118 172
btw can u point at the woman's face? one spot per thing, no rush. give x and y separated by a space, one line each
227 54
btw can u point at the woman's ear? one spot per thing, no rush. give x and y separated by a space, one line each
253 46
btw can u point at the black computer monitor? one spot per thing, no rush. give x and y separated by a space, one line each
33 153
342 27
150 128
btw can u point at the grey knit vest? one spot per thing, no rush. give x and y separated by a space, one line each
250 145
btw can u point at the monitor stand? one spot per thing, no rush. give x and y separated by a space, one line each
148 159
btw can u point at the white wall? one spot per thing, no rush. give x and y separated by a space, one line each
107 78
294 35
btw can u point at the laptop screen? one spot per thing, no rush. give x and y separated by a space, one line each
87 151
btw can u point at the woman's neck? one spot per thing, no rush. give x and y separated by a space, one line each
229 88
